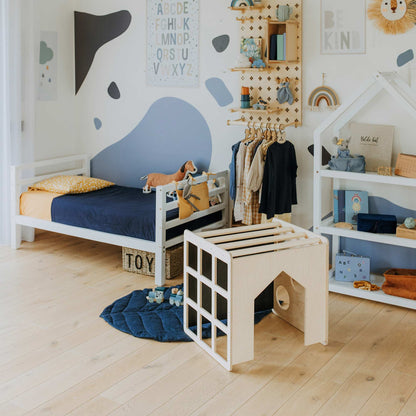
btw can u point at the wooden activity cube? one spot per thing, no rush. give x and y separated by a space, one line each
225 270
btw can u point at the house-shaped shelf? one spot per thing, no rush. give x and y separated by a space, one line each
402 94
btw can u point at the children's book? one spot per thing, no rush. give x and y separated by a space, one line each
280 47
356 202
339 205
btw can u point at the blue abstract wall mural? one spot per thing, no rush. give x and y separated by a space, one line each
172 132
220 43
219 91
91 33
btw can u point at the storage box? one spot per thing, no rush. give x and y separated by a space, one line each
400 282
378 224
143 262
406 166
349 267
404 232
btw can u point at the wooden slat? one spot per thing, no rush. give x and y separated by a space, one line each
237 230
246 236
274 247
261 241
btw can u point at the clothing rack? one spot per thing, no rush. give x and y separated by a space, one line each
243 122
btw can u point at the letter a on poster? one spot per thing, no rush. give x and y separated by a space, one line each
173 43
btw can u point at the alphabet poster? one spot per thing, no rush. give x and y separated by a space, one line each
48 66
343 26
173 43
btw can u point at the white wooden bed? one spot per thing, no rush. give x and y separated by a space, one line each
24 175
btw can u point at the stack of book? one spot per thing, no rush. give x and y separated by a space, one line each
348 204
278 47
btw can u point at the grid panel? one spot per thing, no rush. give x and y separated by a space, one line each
205 307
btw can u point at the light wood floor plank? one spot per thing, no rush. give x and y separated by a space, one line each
391 396
409 409
57 357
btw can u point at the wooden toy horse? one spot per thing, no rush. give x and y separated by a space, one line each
157 179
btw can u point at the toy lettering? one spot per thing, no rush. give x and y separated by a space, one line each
138 261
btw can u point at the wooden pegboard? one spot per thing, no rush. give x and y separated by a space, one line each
263 84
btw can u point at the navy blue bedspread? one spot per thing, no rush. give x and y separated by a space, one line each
119 210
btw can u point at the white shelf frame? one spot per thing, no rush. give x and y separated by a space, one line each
406 98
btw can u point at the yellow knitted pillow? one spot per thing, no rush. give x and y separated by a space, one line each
71 184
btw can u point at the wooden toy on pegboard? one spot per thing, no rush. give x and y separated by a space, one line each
271 49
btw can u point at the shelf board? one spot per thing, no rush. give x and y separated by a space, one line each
285 61
244 69
251 110
328 227
347 288
243 9
368 177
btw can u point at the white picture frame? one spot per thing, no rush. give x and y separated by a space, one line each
343 27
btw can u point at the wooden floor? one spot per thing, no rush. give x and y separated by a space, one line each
59 358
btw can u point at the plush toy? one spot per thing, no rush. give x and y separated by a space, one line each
158 179
258 63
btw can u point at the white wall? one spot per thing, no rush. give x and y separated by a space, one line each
66 126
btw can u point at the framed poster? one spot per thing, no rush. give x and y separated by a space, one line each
48 67
173 43
343 27
374 142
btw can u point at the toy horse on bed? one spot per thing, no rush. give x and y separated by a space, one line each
157 179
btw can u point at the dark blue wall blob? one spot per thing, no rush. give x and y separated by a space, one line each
97 123
219 91
92 32
113 91
172 132
220 43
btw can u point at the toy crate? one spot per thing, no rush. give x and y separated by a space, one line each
406 166
143 262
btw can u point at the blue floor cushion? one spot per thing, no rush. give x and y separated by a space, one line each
163 322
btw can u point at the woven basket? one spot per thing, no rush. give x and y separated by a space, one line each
143 262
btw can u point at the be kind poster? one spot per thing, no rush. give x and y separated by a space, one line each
173 43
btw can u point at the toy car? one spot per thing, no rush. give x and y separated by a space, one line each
260 105
176 297
157 295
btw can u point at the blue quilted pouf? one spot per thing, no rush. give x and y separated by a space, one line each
134 315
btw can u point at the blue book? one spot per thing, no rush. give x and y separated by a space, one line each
284 47
339 205
280 48
336 215
273 48
356 202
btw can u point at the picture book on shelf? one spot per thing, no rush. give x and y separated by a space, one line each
339 205
356 202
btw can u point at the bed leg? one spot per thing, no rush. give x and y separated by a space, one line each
16 236
160 266
28 234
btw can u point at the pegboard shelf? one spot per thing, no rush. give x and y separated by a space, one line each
261 23
248 69
243 9
253 110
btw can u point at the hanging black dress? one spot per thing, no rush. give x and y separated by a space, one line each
279 180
